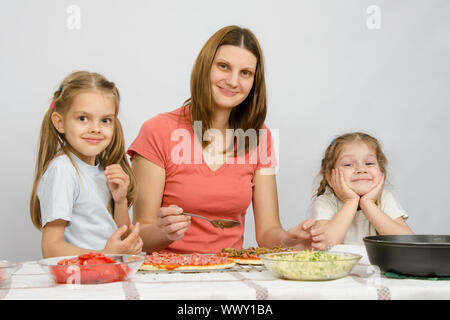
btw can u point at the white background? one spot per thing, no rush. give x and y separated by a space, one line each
327 73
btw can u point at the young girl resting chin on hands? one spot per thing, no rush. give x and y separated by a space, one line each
84 185
352 201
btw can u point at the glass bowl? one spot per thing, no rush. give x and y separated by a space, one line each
7 268
310 265
123 268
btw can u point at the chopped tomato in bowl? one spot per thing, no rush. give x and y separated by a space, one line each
92 268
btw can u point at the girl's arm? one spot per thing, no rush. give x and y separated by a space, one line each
327 233
381 221
159 226
118 182
334 230
269 232
53 244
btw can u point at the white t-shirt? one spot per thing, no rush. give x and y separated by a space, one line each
79 198
325 207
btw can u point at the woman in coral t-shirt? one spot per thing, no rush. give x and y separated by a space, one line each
213 157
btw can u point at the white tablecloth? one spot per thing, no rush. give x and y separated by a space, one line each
30 282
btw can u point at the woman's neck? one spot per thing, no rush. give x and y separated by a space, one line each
221 119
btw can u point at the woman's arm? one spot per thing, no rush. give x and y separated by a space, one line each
159 226
268 229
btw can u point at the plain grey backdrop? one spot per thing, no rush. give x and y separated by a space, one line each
331 67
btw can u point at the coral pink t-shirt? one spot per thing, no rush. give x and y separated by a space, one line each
168 141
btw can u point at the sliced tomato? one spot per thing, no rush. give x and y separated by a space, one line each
92 268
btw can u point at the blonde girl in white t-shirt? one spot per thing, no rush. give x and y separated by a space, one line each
84 185
352 201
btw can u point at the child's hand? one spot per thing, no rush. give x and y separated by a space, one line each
118 182
130 245
374 193
341 189
319 239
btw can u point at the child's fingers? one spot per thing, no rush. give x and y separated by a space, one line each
113 167
382 180
134 233
342 179
337 180
329 178
318 238
118 180
119 232
138 246
305 225
116 173
319 245
317 231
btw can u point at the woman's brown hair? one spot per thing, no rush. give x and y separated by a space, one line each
334 150
52 143
251 113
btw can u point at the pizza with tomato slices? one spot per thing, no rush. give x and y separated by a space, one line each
249 255
193 262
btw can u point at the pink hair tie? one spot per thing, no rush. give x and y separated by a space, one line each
52 105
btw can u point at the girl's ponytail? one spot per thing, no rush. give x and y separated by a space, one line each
115 153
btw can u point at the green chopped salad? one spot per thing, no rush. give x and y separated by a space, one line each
310 265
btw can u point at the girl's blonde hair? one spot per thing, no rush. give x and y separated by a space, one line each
52 143
333 152
251 113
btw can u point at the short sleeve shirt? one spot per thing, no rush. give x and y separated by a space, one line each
79 197
328 204
168 141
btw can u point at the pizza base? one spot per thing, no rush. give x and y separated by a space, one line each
152 267
248 261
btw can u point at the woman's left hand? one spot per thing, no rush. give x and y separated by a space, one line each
298 237
118 182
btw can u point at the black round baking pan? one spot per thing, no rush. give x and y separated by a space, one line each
420 255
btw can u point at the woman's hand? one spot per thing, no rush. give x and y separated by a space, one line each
298 237
118 182
130 245
173 222
374 194
340 187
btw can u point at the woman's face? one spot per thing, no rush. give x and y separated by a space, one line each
232 75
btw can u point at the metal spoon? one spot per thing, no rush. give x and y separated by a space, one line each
217 223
